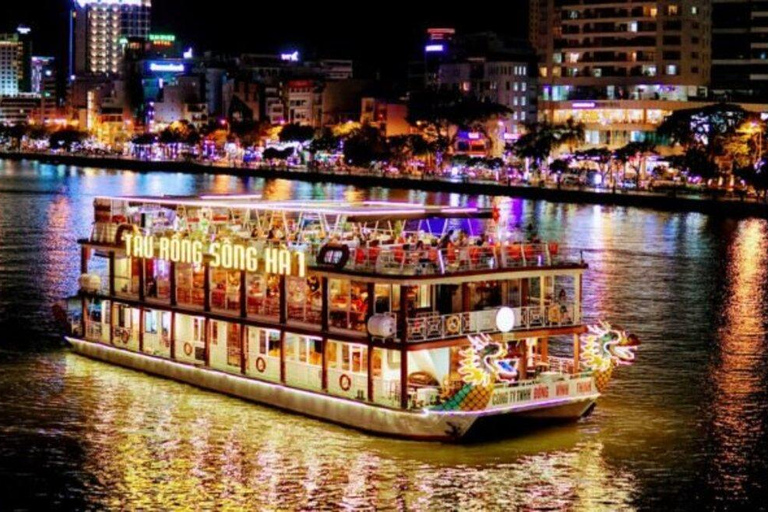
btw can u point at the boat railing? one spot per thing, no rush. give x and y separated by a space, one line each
405 260
435 326
408 259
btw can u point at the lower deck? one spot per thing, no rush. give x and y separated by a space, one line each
361 372
566 400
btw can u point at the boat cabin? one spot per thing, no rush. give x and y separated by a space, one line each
370 301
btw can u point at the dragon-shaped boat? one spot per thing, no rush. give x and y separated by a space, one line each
422 322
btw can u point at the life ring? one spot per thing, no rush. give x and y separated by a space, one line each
261 364
188 349
453 324
345 383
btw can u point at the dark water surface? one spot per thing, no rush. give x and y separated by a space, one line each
685 428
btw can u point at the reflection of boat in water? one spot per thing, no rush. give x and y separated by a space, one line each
407 320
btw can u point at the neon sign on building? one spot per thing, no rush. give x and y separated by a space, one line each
162 67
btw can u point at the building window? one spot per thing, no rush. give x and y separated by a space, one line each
671 69
672 10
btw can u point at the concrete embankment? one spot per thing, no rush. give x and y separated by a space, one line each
729 206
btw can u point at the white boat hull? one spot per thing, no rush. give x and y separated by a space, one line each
420 425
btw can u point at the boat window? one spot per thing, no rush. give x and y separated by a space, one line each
385 374
190 285
123 315
348 304
347 357
150 322
304 299
485 295
383 302
304 349
513 293
225 289
263 295
534 291
157 279
127 276
269 342
419 297
387 298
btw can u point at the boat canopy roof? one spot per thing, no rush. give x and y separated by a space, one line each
352 211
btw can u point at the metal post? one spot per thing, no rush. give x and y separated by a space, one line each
403 347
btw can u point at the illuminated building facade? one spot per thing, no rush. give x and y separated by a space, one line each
303 100
19 109
280 88
15 61
438 47
387 114
620 66
491 68
740 49
99 30
43 83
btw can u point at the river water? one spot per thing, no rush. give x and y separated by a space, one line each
686 427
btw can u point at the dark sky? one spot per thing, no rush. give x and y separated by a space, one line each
378 35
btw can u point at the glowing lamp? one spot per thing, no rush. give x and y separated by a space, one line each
505 319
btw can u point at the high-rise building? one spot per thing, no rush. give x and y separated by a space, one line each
99 30
740 49
43 83
492 68
15 62
620 66
438 48
43 76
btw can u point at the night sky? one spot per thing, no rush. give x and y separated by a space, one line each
379 36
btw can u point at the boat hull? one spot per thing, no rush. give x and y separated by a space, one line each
417 425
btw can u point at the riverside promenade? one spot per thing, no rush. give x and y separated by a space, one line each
728 205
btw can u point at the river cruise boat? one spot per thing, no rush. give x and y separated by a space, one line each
421 322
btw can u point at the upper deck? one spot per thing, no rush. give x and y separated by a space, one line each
372 238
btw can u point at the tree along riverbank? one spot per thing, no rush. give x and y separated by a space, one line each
670 200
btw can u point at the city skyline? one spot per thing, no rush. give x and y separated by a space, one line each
314 29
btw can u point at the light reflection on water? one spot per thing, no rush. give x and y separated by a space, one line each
153 442
685 427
